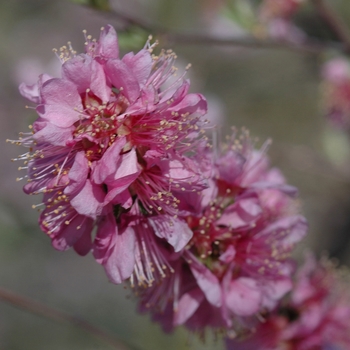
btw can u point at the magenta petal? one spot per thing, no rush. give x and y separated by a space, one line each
89 201
120 264
187 305
84 245
175 231
123 79
105 238
243 296
207 282
61 103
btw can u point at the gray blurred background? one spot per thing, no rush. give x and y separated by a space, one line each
274 93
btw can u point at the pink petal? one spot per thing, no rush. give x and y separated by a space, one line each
105 238
120 264
108 43
175 231
89 201
140 64
187 306
70 234
61 103
54 135
123 79
243 296
32 92
109 163
207 282
77 174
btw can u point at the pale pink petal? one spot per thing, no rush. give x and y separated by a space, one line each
175 231
61 103
108 43
89 201
207 282
243 296
77 174
120 264
123 79
187 305
140 64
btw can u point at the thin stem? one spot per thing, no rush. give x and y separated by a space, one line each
50 313
334 22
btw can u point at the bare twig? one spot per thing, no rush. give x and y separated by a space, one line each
334 22
308 46
48 312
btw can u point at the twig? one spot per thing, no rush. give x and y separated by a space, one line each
334 22
48 312
309 46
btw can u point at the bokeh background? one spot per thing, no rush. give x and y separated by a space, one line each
273 92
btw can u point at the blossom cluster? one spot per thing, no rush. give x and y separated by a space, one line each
108 150
314 316
237 263
203 234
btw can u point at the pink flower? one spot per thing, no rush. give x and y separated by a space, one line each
315 316
110 148
336 92
237 263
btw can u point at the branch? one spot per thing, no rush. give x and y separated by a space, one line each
48 312
309 46
334 22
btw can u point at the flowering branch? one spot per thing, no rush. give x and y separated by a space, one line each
334 22
50 313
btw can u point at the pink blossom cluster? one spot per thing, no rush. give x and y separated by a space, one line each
119 153
237 263
336 92
110 150
315 316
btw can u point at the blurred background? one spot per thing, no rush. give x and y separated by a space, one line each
273 92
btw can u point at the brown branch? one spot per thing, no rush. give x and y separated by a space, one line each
48 312
334 22
308 46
